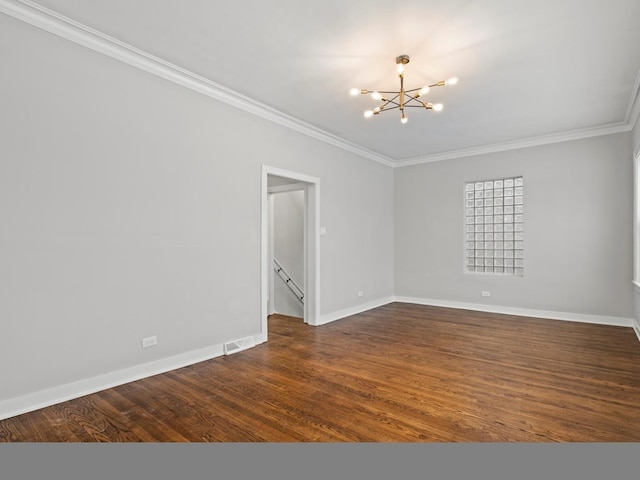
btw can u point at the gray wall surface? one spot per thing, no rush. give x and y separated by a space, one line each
130 207
578 228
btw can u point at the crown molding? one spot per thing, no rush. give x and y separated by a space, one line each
76 32
515 144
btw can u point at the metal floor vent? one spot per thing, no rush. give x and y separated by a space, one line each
239 345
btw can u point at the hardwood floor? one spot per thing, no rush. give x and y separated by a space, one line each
399 373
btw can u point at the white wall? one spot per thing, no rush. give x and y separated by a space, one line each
288 239
130 207
578 235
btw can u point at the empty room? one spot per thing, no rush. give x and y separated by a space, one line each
408 221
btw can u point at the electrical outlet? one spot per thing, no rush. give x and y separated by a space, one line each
149 342
486 294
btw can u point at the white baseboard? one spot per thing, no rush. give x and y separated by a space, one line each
523 312
45 398
363 307
636 328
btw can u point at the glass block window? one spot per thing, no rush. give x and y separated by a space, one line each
494 239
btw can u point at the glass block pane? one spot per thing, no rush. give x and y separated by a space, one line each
479 262
499 236
488 193
488 262
468 187
498 245
498 253
519 235
479 203
498 210
479 211
470 220
498 184
519 227
508 182
519 254
508 219
519 272
488 219
479 245
469 211
518 182
508 210
499 270
508 254
488 228
471 245
498 219
518 245
519 209
508 271
498 201
499 262
488 185
470 228
508 201
480 228
519 200
479 194
479 220
479 237
488 254
488 211
508 262
488 237
508 227
519 262
469 203
470 237
518 190
498 228
508 192
498 192
471 253
479 185
508 245
488 245
470 195
488 202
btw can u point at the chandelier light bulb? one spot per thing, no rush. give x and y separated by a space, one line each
400 69
452 81
376 95
424 90
404 119
354 91
376 110
438 107
368 114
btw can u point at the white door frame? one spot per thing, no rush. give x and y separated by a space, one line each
311 283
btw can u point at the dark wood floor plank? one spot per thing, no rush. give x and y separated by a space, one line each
398 373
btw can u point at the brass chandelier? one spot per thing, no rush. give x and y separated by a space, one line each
402 98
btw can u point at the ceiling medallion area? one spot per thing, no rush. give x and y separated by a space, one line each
402 99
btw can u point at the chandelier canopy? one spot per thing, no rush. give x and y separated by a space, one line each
402 98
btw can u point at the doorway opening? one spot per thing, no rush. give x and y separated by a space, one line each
303 191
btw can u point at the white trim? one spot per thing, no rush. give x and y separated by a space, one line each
311 245
515 144
522 312
76 32
347 312
636 328
636 286
62 393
